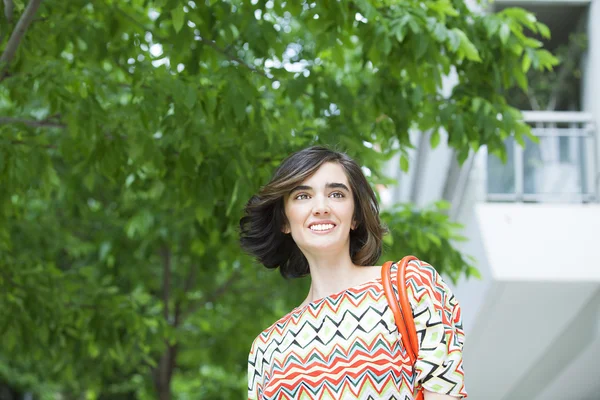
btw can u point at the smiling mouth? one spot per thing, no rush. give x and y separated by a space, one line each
322 227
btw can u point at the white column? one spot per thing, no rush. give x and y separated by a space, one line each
591 81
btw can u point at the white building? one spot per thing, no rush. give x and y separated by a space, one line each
533 321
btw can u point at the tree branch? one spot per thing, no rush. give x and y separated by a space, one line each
165 254
166 364
6 277
189 282
210 43
8 10
533 100
231 57
566 67
45 146
17 35
222 289
44 123
190 279
136 22
214 295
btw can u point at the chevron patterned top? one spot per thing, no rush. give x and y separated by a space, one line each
347 346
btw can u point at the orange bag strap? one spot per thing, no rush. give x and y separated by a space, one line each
402 309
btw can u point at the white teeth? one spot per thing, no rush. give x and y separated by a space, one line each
321 227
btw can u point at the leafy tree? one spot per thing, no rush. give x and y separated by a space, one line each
557 89
132 133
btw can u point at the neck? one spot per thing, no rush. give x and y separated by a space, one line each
333 273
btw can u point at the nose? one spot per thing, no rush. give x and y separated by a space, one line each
321 206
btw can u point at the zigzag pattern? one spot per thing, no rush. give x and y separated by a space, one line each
346 346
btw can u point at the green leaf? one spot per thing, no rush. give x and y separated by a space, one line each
198 247
93 350
234 197
386 45
462 155
388 240
435 239
201 214
546 59
434 140
399 28
520 77
83 92
190 97
466 46
522 16
178 17
404 163
19 5
422 44
491 25
297 87
440 33
89 180
367 9
504 33
443 7
533 43
526 63
453 40
543 29
476 104
443 204
474 272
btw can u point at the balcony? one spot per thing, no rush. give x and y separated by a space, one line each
535 244
561 168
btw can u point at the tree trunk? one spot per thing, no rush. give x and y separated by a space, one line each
164 370
8 393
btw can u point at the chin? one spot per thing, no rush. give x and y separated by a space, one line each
323 247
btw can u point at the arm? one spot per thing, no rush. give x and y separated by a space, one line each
254 372
438 322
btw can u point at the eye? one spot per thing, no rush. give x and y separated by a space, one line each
337 195
301 196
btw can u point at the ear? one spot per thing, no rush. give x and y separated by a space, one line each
353 225
285 229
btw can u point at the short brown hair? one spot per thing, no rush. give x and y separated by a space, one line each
260 228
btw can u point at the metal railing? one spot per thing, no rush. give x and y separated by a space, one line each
562 167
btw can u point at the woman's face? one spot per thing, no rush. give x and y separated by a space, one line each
320 210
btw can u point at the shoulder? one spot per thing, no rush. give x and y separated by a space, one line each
421 273
423 282
276 329
422 269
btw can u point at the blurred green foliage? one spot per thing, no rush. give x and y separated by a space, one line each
132 134
557 89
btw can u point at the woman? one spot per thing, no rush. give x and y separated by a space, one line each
319 216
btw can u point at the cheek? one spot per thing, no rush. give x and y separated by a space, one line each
349 212
294 216
290 215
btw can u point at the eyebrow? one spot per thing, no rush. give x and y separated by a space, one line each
328 186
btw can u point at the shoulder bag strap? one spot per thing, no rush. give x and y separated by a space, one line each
402 309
